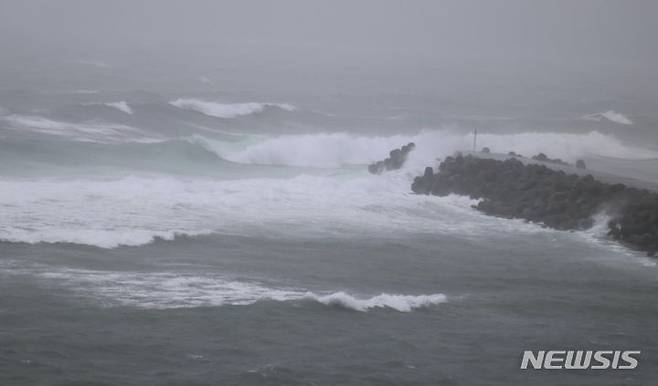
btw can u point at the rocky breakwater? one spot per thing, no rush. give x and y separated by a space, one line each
550 197
395 160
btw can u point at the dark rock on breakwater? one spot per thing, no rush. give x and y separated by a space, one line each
552 197
580 164
544 158
396 159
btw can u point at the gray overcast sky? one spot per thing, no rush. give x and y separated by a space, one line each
498 37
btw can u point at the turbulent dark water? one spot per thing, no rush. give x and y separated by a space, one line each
151 239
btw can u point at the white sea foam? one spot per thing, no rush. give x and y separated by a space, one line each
135 210
609 115
121 106
227 110
163 290
335 149
85 132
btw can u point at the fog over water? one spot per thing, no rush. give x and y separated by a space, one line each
326 46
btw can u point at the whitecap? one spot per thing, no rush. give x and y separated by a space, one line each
227 110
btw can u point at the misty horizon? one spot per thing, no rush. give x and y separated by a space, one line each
380 46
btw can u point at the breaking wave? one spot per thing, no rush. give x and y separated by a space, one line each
609 115
337 203
319 151
227 110
402 303
164 290
332 150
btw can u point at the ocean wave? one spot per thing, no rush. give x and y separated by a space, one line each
164 290
121 106
307 150
330 150
609 115
227 110
84 132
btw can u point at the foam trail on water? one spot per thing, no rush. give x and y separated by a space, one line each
164 290
227 110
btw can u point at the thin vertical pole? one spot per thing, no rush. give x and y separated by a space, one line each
475 138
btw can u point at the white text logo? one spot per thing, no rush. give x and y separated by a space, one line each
579 360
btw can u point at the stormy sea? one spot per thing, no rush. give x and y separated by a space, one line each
203 237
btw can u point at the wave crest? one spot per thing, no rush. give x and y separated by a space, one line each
227 110
401 303
328 150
